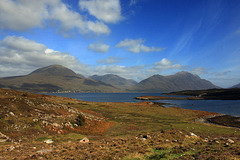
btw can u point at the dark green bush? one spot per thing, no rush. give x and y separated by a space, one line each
80 120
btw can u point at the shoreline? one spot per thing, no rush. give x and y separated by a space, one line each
146 98
217 119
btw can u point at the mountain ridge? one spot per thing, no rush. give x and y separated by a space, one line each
57 78
179 81
236 86
115 80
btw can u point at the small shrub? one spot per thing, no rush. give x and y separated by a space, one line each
80 120
157 156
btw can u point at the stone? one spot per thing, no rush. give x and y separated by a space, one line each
230 141
11 113
56 125
44 151
192 134
48 141
11 148
84 140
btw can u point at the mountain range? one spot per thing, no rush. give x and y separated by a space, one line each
57 78
177 82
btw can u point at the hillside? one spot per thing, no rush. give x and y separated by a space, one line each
210 94
55 78
236 86
115 80
34 126
179 81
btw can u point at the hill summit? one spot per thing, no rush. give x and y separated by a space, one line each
54 70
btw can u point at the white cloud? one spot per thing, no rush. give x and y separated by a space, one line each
167 64
21 15
21 56
136 46
108 11
110 60
164 64
99 47
21 44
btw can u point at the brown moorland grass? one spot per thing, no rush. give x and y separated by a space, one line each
116 130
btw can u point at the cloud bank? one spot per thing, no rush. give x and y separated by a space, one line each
21 15
21 56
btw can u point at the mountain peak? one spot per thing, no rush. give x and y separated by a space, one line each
56 70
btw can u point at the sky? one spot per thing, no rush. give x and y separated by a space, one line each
134 39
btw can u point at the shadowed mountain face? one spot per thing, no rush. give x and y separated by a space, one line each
115 80
180 81
55 78
236 86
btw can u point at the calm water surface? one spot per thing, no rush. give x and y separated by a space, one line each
230 107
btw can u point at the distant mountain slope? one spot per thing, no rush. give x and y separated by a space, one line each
180 81
236 86
55 78
115 80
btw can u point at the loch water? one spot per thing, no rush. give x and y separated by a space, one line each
230 107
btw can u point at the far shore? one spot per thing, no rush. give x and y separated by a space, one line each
168 98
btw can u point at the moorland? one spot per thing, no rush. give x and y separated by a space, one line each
35 126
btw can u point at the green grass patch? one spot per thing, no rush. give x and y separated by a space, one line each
63 138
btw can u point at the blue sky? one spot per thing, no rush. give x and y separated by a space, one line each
134 39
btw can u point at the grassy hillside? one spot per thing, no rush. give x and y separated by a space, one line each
115 130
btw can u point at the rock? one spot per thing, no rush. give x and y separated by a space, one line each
226 145
56 125
35 120
84 140
48 141
206 140
11 148
3 137
44 151
230 141
11 113
192 134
